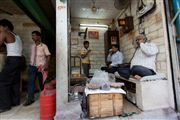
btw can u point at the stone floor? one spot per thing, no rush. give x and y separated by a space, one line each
129 108
22 113
32 113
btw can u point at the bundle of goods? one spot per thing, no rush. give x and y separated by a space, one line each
93 86
101 80
116 85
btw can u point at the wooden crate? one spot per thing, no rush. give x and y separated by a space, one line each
104 105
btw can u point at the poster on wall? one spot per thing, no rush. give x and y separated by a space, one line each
113 40
74 41
93 34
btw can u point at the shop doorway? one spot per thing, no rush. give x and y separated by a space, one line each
25 20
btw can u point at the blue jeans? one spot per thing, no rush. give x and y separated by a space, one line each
124 72
141 71
32 75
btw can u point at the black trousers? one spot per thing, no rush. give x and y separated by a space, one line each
109 70
10 83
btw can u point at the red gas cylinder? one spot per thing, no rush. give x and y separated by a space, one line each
47 104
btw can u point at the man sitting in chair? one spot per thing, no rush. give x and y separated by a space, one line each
114 58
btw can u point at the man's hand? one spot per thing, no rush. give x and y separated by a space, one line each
84 55
108 63
110 52
110 66
139 41
47 63
89 51
45 67
2 38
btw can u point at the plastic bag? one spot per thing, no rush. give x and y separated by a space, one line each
112 77
101 78
105 86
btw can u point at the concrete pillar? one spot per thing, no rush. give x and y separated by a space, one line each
61 53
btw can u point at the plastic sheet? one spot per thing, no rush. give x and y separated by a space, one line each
101 78
111 77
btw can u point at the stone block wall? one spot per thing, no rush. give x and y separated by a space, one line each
154 31
96 45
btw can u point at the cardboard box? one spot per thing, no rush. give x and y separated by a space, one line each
104 105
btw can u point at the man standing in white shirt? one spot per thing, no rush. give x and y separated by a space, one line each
114 58
143 62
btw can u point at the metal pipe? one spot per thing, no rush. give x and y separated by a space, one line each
175 17
176 8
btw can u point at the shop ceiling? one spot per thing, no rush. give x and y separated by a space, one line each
8 7
81 11
42 12
93 11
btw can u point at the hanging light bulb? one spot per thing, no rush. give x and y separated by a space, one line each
94 8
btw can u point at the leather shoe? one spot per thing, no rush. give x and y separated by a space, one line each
4 110
28 102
